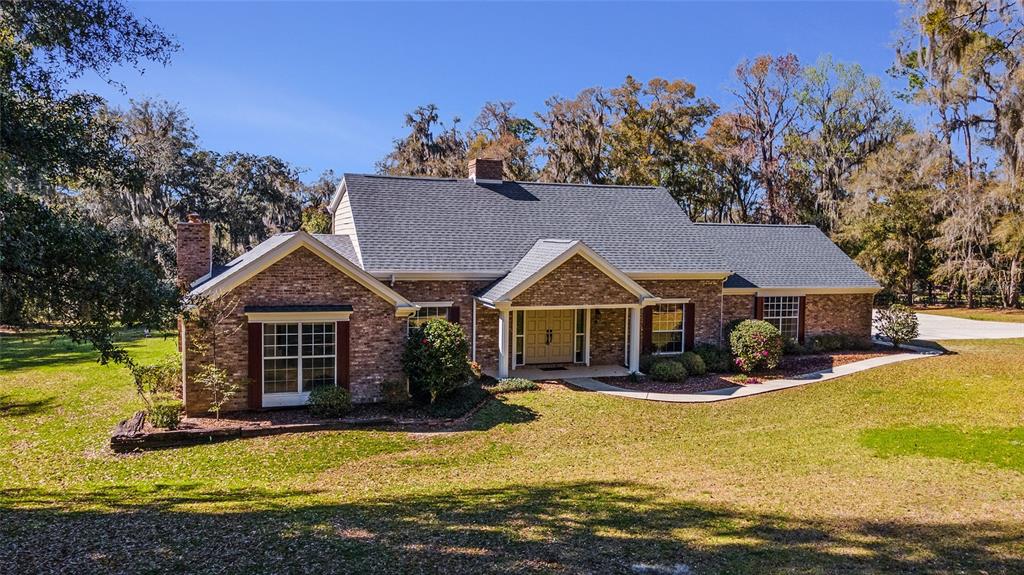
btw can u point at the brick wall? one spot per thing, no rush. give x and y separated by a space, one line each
192 248
303 278
848 314
575 282
737 307
706 296
607 336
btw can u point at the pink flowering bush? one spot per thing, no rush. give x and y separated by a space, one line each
756 345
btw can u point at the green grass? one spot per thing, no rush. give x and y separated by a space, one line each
915 466
981 314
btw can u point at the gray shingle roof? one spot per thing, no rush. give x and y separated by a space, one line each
542 252
783 256
434 224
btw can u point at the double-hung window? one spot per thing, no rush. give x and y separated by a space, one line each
298 357
425 314
667 328
783 313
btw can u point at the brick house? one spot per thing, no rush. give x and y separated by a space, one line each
537 274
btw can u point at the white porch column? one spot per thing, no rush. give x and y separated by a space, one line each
634 339
503 347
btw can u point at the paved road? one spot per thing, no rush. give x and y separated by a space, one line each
936 327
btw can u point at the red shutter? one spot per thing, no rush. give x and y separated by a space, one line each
800 321
342 349
453 314
646 330
255 365
689 318
758 308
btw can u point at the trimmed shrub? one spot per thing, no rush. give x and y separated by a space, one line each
436 360
791 346
646 361
668 370
161 377
513 384
716 359
836 342
897 323
165 411
329 401
757 345
693 363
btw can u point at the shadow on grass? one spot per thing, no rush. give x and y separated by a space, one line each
999 446
13 408
578 527
28 350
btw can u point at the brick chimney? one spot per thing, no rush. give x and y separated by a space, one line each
194 248
486 170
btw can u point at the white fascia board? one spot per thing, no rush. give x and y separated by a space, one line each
294 316
336 199
715 274
453 275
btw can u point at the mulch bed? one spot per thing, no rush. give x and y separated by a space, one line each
790 366
130 435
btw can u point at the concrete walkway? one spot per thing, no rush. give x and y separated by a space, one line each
756 389
936 327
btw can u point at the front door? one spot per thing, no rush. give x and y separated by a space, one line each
549 336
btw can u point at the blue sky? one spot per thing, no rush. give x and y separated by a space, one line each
325 85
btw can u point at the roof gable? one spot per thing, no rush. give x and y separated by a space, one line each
547 255
276 248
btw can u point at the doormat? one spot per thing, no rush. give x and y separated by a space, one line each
554 368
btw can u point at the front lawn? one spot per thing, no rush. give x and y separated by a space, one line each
910 467
980 313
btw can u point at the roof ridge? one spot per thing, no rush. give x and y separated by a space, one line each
754 224
532 182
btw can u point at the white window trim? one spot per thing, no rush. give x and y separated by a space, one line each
769 318
427 305
681 331
516 338
292 398
576 334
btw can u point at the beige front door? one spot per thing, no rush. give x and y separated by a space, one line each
549 335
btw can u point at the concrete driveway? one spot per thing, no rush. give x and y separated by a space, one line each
936 327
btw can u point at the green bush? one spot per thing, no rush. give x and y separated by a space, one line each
165 411
897 323
646 361
716 359
668 370
757 345
436 360
836 342
163 376
791 346
329 401
513 384
693 363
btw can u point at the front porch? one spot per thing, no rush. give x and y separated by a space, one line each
565 371
549 342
